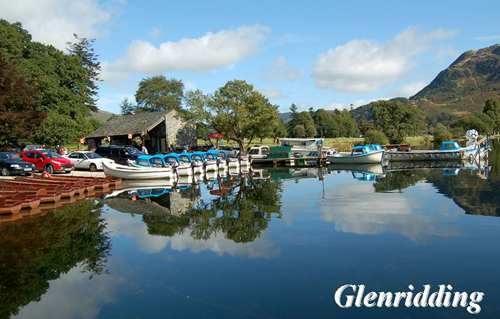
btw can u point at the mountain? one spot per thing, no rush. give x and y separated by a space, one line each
286 116
101 115
460 89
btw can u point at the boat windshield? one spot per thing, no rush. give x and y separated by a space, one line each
197 157
171 160
184 159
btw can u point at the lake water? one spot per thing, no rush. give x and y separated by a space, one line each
276 245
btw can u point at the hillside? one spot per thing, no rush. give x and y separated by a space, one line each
101 115
460 89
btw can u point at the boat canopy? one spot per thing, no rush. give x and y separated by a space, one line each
171 158
450 146
363 149
217 154
198 156
185 157
375 147
144 160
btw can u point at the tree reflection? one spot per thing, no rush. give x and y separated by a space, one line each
399 180
242 211
39 250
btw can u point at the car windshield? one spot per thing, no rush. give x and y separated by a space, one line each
8 156
51 155
93 155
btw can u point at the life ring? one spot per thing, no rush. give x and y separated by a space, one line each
46 175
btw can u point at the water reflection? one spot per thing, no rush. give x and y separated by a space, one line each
40 250
214 230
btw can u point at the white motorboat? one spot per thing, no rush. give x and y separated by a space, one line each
358 155
128 172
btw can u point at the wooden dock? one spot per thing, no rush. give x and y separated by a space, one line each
33 196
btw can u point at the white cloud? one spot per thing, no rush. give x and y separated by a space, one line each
272 93
279 71
55 21
410 89
365 65
354 104
488 38
210 51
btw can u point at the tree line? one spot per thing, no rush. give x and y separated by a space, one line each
46 95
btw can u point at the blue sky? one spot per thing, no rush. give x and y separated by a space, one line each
324 54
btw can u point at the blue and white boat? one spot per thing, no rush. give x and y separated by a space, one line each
220 156
358 155
209 162
196 164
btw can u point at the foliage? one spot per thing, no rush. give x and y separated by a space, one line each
40 250
478 121
126 107
299 131
83 49
365 126
441 134
347 123
158 93
64 84
235 110
18 115
279 130
397 120
492 109
305 120
375 137
326 124
399 180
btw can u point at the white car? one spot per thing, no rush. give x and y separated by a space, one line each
88 160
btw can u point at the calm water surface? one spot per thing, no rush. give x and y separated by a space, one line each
276 245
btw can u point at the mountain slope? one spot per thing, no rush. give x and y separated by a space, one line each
465 85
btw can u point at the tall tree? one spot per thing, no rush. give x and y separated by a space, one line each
236 110
18 116
83 48
492 109
326 126
127 107
397 120
158 93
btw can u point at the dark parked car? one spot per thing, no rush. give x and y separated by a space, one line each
119 154
11 164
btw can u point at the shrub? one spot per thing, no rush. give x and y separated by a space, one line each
375 137
441 134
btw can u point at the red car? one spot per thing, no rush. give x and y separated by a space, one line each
48 161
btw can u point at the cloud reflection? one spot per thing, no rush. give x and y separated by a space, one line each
132 227
356 208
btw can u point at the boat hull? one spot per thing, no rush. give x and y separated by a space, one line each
375 157
127 172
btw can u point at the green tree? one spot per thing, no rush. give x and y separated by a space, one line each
347 124
127 107
236 110
397 120
375 137
158 93
492 109
18 116
365 126
83 49
299 131
280 130
305 119
325 123
479 121
441 134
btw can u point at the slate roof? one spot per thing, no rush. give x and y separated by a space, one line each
122 125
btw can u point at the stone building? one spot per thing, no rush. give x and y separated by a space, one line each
161 129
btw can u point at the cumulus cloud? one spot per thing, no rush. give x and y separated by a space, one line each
55 21
208 52
279 71
272 93
365 65
410 89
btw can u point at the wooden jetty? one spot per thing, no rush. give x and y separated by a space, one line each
34 196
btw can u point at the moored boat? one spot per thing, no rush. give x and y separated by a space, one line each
359 155
128 172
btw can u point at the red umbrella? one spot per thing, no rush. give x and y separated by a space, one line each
215 135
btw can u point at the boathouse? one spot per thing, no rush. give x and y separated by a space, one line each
159 130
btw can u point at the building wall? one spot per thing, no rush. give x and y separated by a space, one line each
178 133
